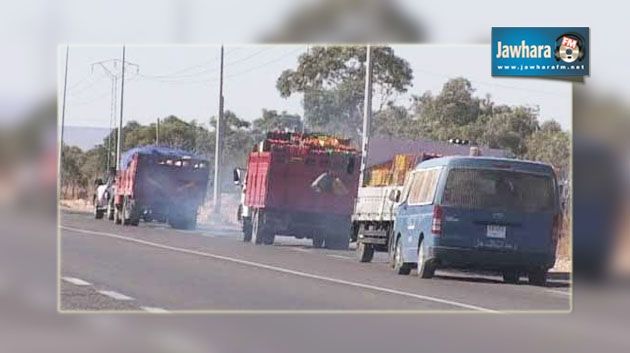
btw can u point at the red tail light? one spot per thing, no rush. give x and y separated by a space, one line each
436 223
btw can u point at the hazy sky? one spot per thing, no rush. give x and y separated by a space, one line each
183 81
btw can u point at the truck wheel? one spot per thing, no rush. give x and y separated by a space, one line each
318 241
258 228
247 229
269 238
511 276
426 268
400 267
111 210
183 221
537 277
131 215
117 215
365 252
337 241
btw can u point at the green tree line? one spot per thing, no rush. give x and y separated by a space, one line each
331 80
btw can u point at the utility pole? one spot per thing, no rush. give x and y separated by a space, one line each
218 147
110 67
157 132
367 114
63 104
120 122
112 117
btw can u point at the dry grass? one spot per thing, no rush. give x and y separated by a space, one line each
564 254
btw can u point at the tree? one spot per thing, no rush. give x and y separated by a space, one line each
237 143
551 145
332 81
510 128
394 121
71 176
271 120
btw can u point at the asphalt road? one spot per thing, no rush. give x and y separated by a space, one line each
155 268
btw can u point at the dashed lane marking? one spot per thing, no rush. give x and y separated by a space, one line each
340 257
76 281
153 310
561 292
285 270
115 295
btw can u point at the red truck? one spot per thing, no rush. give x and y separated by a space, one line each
159 183
301 185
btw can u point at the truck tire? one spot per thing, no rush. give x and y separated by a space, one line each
426 267
269 238
117 215
258 227
365 252
247 229
111 210
131 213
182 221
511 276
339 241
318 241
400 267
537 277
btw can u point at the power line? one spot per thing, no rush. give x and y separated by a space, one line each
176 78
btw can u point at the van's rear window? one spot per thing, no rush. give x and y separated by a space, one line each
500 190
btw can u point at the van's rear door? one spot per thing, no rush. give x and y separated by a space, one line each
499 209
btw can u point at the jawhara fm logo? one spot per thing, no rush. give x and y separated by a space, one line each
570 48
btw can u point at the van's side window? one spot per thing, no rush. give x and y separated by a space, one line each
407 186
422 190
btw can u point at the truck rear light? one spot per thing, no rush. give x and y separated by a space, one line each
436 223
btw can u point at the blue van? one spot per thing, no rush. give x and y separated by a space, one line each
492 214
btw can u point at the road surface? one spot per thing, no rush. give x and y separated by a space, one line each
154 268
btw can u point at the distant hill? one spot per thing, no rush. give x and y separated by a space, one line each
84 137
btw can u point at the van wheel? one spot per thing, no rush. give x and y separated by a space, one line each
400 267
537 277
365 252
426 268
511 276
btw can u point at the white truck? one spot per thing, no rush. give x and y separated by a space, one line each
373 219
375 211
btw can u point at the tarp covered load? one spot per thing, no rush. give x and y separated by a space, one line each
126 157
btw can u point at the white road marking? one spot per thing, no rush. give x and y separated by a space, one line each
340 257
568 293
302 250
76 281
115 295
285 270
153 310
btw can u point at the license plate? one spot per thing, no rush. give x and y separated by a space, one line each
494 231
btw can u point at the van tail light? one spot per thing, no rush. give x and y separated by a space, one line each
557 227
436 223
